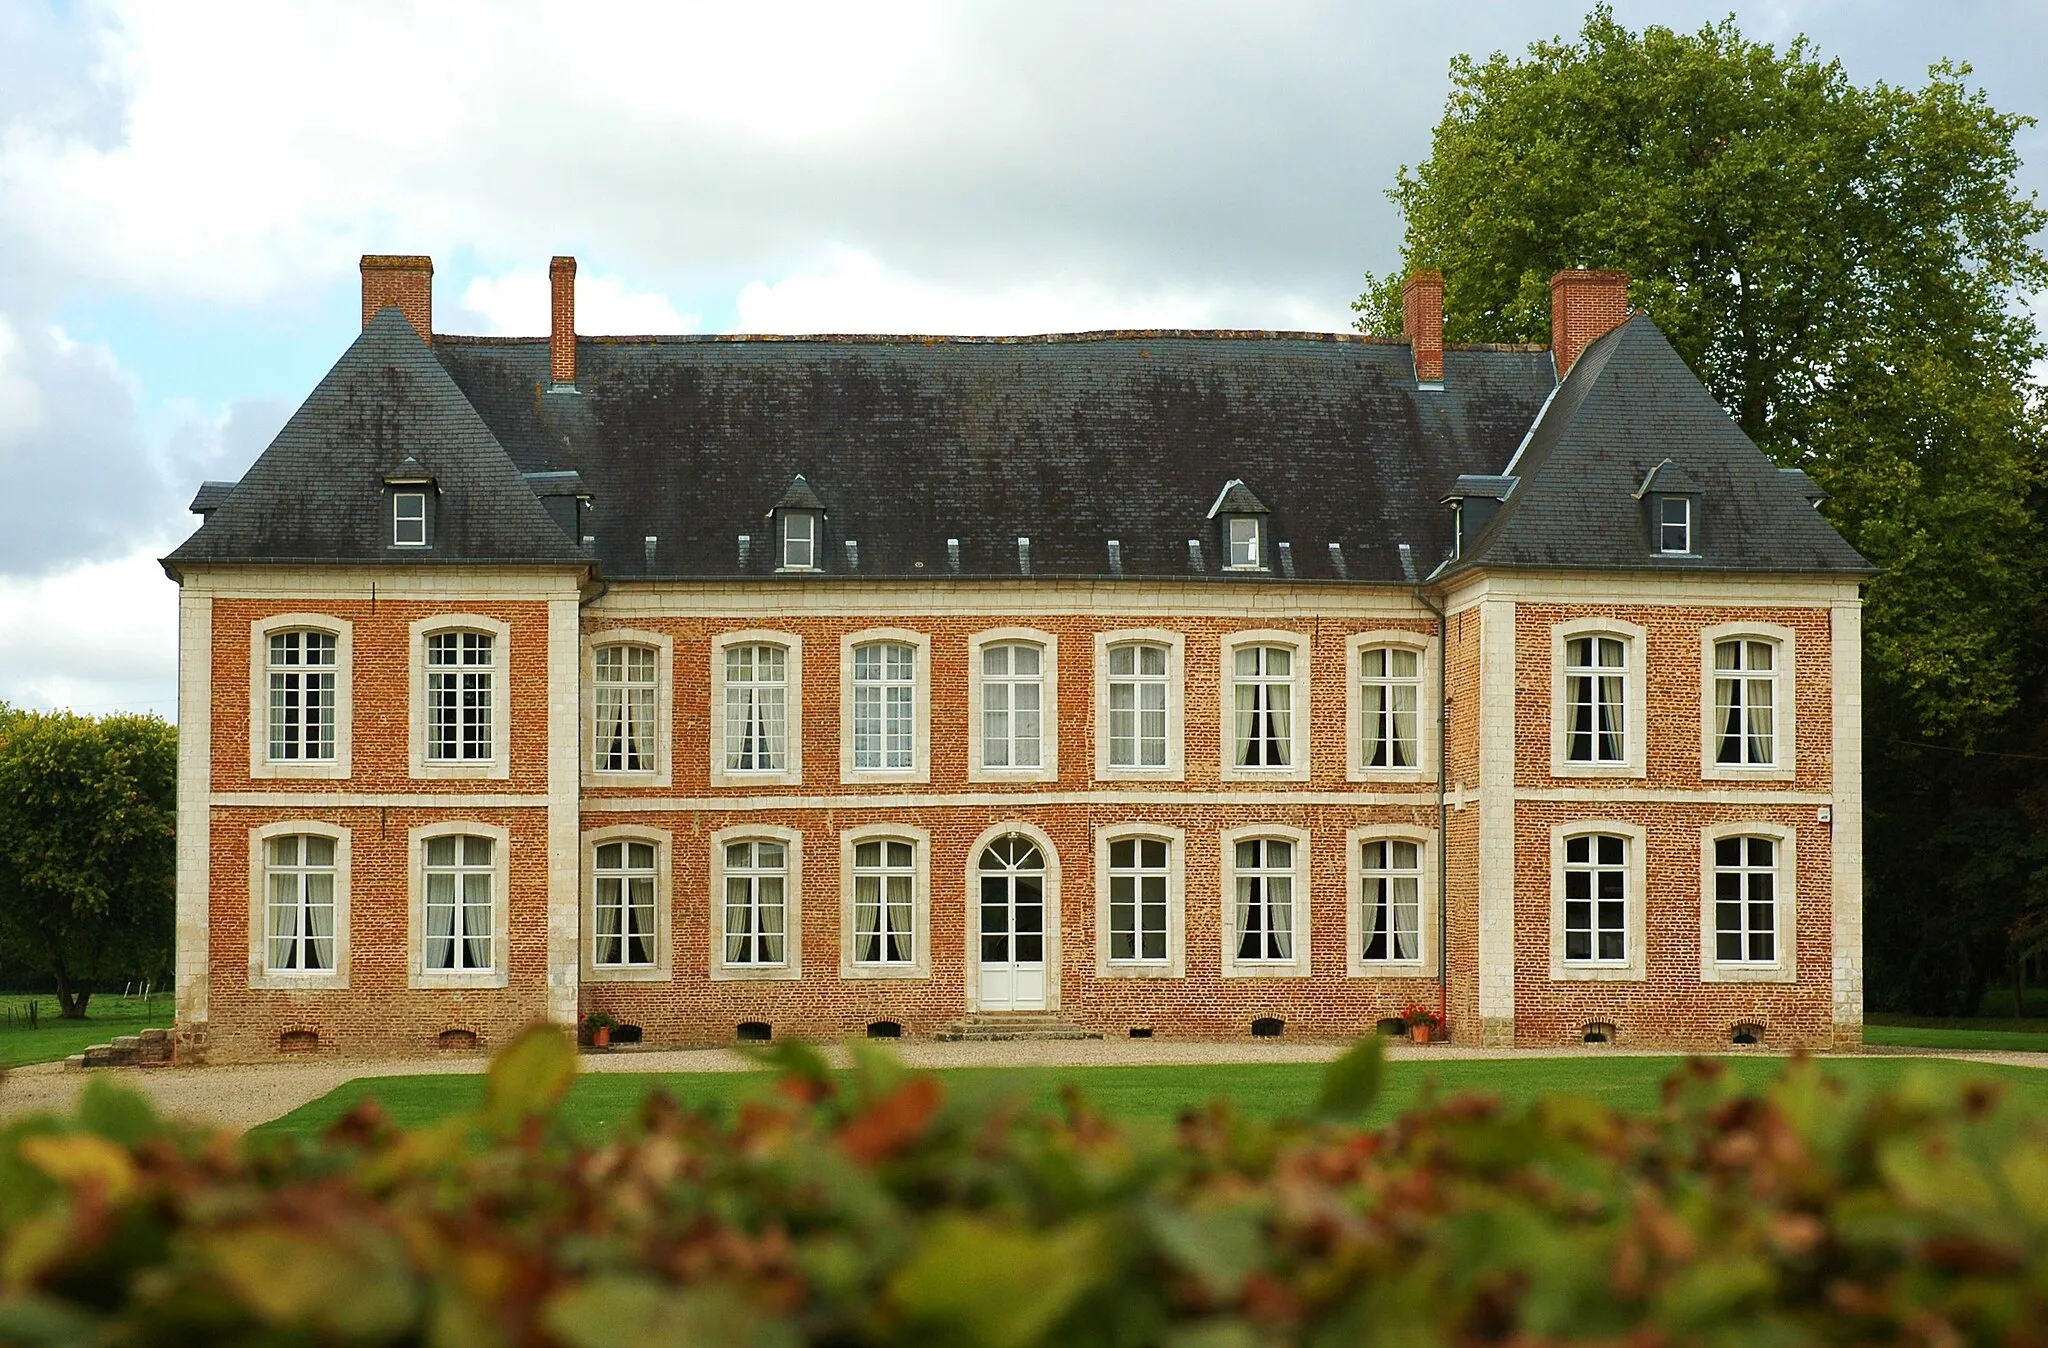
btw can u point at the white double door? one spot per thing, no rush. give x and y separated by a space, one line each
1012 874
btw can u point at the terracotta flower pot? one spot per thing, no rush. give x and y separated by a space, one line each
1419 1033
601 1037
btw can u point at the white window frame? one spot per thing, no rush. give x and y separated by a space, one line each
1426 722
1425 963
663 968
1688 524
813 522
1635 654
261 976
792 774
919 966
792 967
971 891
1304 927
1175 963
663 645
499 764
920 769
398 518
1255 542
501 906
261 765
1630 968
1784 969
1175 645
1784 700
1048 769
1299 718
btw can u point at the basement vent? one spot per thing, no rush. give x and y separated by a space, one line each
1393 1027
456 1041
1600 1032
1141 1031
1268 1027
884 1029
298 1041
1748 1034
625 1034
754 1032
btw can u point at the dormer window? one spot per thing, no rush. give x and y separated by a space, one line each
1674 524
408 519
799 541
1240 517
1244 544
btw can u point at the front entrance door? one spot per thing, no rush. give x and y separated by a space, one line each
1012 926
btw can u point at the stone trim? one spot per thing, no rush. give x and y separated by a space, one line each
1175 964
1496 900
1785 969
793 645
260 765
971 892
1845 640
792 967
663 968
1049 704
663 645
565 760
195 817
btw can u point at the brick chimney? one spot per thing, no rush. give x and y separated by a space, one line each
562 321
407 282
1584 307
1422 323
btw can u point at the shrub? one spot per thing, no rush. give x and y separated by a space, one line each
876 1207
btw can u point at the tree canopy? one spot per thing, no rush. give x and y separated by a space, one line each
1842 265
88 812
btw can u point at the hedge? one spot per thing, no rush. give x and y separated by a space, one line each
874 1206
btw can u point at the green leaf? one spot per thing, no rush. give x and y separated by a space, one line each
995 1286
615 1309
1220 1245
530 1077
1352 1082
118 1113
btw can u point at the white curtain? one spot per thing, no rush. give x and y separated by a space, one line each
440 921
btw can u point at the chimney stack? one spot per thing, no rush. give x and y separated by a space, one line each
1422 323
562 322
1584 307
407 282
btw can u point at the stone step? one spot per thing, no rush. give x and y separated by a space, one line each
988 1035
989 1026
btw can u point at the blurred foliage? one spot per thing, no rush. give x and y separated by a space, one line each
876 1207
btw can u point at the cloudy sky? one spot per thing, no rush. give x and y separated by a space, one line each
185 190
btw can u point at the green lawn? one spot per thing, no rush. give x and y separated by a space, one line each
2014 1036
600 1101
105 1017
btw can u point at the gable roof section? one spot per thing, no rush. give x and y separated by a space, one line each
1070 441
317 493
1629 405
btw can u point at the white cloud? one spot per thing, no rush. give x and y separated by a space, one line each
854 292
515 304
96 638
21 403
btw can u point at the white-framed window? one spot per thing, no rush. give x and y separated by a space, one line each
799 540
460 903
1392 923
623 733
300 712
1266 916
1140 693
1012 697
1245 554
623 906
885 902
1265 706
1747 708
461 689
298 905
1597 878
756 707
626 896
1139 887
1748 898
1597 702
409 519
461 712
756 917
1390 706
301 668
1674 524
886 707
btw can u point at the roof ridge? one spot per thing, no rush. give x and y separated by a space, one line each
936 339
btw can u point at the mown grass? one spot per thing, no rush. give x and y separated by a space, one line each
105 1017
2012 1036
600 1102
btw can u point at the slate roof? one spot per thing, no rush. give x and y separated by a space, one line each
1629 404
317 493
935 456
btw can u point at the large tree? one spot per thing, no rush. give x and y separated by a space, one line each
1846 268
88 812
